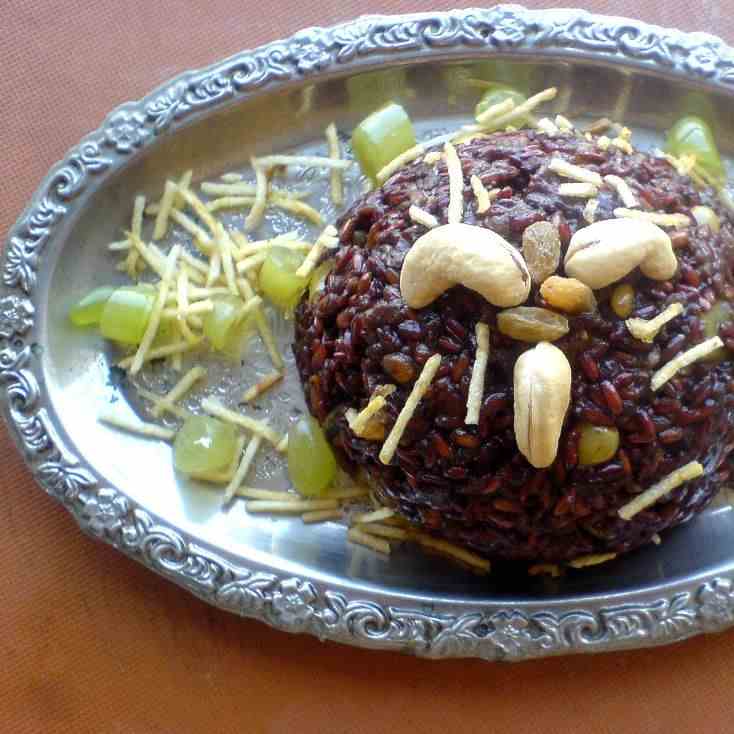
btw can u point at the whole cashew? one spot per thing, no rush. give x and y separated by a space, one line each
606 251
542 386
463 254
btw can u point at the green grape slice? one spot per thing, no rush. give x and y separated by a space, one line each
381 137
311 462
126 313
521 76
204 445
597 444
221 323
318 278
88 311
376 88
498 94
719 314
278 280
692 135
239 339
167 333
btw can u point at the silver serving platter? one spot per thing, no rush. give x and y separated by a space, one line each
299 578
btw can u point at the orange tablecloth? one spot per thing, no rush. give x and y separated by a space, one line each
92 642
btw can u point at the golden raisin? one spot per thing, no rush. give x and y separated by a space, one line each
400 367
531 324
597 444
568 294
541 248
623 300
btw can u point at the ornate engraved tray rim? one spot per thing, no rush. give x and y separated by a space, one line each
358 615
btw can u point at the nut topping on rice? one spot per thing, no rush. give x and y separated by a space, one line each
472 256
607 251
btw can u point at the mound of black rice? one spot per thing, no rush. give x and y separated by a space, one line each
469 483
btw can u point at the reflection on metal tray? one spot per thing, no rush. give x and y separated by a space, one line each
307 578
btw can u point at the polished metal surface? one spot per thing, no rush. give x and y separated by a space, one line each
307 578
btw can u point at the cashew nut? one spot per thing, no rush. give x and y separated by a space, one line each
606 251
463 254
542 382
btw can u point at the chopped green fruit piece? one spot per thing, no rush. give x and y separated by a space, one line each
692 136
318 278
311 462
457 80
720 313
88 311
499 94
513 74
220 323
167 333
698 104
204 445
376 88
597 444
381 137
278 280
126 313
239 339
467 78
705 216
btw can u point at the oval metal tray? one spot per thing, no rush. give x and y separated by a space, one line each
307 578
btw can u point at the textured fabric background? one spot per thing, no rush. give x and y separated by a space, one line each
91 642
